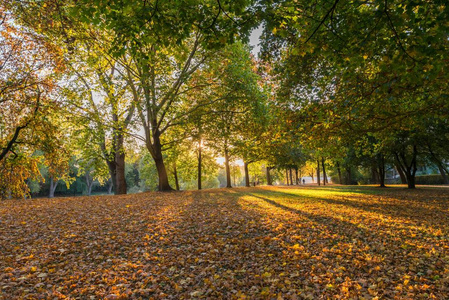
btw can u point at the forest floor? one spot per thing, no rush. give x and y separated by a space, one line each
242 243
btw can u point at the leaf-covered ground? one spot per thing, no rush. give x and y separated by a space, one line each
273 243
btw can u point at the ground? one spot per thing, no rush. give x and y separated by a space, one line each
264 243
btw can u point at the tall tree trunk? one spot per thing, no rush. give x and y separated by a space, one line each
339 173
324 171
175 174
348 176
228 169
156 152
291 177
120 165
89 183
199 165
318 172
381 169
269 182
53 186
296 175
311 175
245 165
286 175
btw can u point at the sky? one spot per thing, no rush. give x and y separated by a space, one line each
254 40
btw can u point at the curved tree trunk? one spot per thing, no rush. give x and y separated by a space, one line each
53 186
401 173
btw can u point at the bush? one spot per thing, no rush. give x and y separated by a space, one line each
429 179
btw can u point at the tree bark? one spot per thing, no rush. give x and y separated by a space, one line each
175 174
399 170
199 165
339 173
111 185
348 176
228 169
53 186
291 177
286 175
324 171
409 168
112 172
318 172
269 182
89 183
155 150
381 169
120 164
245 165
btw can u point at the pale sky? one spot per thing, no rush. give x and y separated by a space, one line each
254 40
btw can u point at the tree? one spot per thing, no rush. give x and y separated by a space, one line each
165 43
29 68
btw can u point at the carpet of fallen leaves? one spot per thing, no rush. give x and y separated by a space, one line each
246 243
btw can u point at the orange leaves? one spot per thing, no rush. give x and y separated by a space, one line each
276 243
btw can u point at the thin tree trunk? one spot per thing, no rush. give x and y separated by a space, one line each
111 185
175 174
245 165
269 182
318 172
228 169
199 165
120 165
89 183
53 186
296 176
112 172
324 171
286 175
291 177
381 170
348 176
311 175
339 173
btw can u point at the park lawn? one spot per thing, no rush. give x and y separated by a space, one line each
268 242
